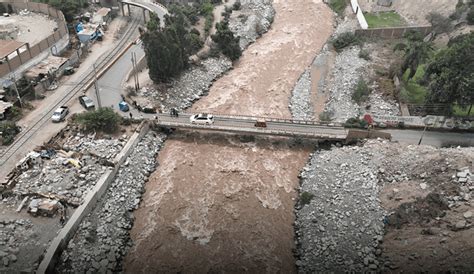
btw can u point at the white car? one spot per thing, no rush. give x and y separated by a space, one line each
60 114
201 118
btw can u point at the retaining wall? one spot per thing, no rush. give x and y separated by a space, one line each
392 33
50 42
60 242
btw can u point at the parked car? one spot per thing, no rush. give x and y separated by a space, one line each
123 106
86 102
60 114
202 118
260 123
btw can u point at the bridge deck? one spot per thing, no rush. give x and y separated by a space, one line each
246 125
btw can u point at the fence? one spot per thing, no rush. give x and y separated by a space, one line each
392 33
45 44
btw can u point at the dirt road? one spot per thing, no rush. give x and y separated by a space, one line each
221 203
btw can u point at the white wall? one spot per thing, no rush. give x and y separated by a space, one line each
360 15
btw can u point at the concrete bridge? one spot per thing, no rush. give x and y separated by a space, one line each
246 125
145 5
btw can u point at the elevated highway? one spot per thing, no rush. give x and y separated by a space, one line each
146 5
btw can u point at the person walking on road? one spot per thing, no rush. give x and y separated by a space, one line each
131 115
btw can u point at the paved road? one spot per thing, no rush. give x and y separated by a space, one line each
433 138
276 127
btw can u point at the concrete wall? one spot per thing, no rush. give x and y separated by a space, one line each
360 15
60 242
392 33
53 43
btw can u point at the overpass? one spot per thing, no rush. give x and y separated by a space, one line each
246 125
146 5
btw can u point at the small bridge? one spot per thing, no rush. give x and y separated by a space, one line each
146 5
246 125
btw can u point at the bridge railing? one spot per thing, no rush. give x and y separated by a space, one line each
274 119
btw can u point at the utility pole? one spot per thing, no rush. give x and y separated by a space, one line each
422 134
16 90
135 72
96 87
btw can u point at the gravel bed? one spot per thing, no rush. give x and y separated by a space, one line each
348 68
300 102
191 85
342 225
102 239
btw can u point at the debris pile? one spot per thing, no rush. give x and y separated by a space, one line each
300 102
103 237
70 172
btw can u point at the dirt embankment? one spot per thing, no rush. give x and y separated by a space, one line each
223 203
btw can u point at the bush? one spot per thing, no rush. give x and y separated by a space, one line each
355 123
325 116
470 17
338 6
8 132
344 40
103 119
237 5
227 43
361 91
306 198
364 54
440 23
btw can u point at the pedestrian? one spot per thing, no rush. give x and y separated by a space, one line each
62 220
131 115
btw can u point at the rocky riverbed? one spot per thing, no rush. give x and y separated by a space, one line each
103 237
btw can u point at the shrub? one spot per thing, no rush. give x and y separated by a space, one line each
325 116
227 43
237 5
8 132
361 91
355 123
338 6
344 40
470 17
364 54
103 119
306 198
440 23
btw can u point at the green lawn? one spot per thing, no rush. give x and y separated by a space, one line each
384 19
457 111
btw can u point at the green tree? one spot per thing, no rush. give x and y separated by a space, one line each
102 119
416 51
167 51
154 23
451 73
226 42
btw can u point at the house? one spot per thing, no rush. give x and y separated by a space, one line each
88 33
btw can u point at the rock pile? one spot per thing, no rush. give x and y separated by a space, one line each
191 85
341 227
252 20
103 237
12 233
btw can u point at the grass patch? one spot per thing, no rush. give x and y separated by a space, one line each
361 92
344 40
458 111
384 19
338 6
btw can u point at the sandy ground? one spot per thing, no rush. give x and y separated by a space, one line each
220 203
30 28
